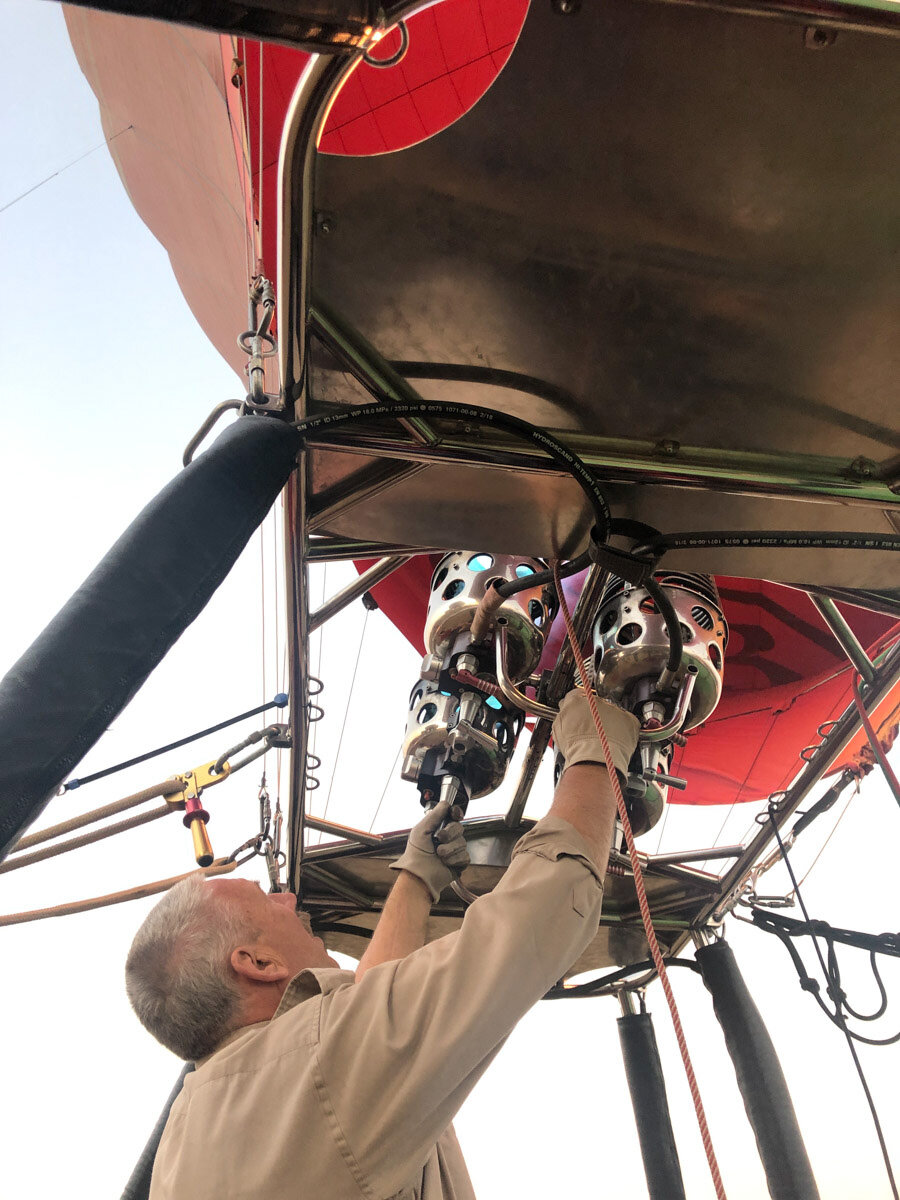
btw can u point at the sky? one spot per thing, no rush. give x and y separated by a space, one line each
107 375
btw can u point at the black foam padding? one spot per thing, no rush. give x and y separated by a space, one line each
643 1070
759 1076
83 669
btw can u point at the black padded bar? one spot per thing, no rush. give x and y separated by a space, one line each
79 674
651 1107
759 1076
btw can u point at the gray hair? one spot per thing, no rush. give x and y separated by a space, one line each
177 974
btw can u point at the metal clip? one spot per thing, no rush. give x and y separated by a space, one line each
193 784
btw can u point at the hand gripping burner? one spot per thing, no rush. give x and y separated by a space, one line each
630 655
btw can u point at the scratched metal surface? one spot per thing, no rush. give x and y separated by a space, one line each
685 220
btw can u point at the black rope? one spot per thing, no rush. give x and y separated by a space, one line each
71 784
837 997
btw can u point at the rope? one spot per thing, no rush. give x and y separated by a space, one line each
643 904
221 867
86 839
166 788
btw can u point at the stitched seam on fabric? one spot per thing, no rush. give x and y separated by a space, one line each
340 1137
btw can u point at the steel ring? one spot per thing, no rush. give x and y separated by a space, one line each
398 56
249 334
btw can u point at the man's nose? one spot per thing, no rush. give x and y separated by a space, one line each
288 899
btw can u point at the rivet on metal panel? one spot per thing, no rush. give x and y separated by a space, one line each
566 8
817 38
324 223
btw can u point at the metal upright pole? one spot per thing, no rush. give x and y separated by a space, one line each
643 1070
759 1076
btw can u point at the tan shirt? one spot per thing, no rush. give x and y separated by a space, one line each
350 1089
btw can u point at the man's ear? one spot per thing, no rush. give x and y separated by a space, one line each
258 964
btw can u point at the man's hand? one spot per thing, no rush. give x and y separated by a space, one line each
434 855
576 737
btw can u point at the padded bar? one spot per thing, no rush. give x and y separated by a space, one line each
759 1076
79 674
651 1107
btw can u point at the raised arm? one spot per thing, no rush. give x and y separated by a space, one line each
431 1022
423 871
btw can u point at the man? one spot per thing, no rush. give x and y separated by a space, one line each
319 1083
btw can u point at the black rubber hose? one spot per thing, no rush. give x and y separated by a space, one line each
541 578
560 453
673 625
776 539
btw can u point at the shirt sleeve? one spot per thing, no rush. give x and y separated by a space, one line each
400 1051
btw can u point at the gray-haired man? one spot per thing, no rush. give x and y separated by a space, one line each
317 1082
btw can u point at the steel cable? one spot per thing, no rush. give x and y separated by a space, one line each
643 904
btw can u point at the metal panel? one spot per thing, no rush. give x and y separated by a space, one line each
343 886
681 220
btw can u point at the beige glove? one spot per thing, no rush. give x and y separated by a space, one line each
576 738
435 865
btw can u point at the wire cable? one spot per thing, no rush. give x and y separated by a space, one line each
385 789
838 1013
106 142
278 701
644 906
337 753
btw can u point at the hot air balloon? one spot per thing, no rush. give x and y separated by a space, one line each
522 285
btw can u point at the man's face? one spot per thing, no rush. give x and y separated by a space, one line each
274 915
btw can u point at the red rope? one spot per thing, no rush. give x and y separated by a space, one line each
643 904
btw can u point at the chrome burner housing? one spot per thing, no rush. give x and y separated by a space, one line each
458 585
631 642
472 732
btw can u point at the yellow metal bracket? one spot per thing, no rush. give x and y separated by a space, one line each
193 783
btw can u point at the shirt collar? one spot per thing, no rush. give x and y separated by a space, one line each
312 981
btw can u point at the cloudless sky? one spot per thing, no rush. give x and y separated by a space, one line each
106 376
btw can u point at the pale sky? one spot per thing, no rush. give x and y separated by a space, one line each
106 377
